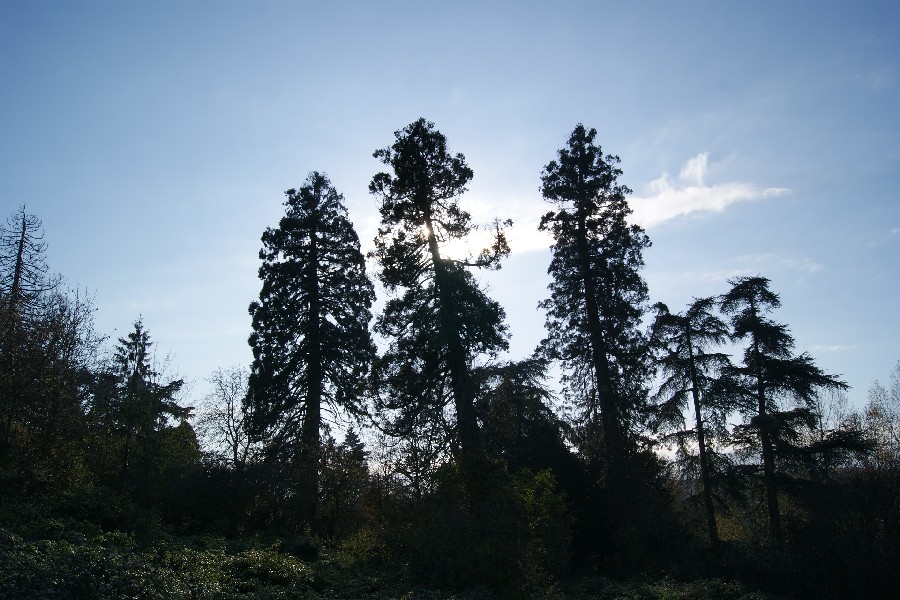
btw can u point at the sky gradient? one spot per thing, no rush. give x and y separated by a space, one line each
155 141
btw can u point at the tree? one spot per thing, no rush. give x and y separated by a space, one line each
597 296
442 320
519 423
225 420
311 343
690 373
23 270
882 419
768 377
132 408
345 477
47 344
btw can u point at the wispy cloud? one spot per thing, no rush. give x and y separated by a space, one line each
689 193
833 347
806 265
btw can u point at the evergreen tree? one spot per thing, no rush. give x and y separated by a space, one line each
132 409
311 343
442 320
519 423
690 374
769 377
597 296
23 270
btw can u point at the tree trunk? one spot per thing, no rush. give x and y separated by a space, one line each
768 451
704 455
310 438
17 273
606 399
463 394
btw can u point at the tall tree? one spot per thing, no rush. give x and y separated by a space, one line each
46 342
311 343
597 295
769 377
690 372
442 320
23 270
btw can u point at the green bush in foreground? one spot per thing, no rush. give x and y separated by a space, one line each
116 566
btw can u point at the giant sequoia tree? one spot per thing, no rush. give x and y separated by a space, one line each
597 296
779 390
442 319
311 344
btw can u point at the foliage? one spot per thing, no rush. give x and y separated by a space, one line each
311 343
314 289
442 320
768 377
690 376
597 296
131 411
24 274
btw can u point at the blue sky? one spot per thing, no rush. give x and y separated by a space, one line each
155 139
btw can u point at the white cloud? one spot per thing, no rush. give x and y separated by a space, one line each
689 193
833 347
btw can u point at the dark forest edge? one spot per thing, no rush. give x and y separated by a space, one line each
663 467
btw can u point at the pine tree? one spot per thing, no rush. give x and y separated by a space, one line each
690 372
134 407
597 296
311 343
442 320
769 377
23 270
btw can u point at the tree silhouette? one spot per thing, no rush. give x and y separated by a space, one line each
597 296
519 423
46 342
225 419
769 376
133 406
311 343
690 373
23 270
442 320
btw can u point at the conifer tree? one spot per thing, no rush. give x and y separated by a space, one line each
768 378
132 407
441 320
311 343
690 373
23 270
597 295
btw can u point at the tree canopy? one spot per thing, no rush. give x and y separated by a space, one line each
441 320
